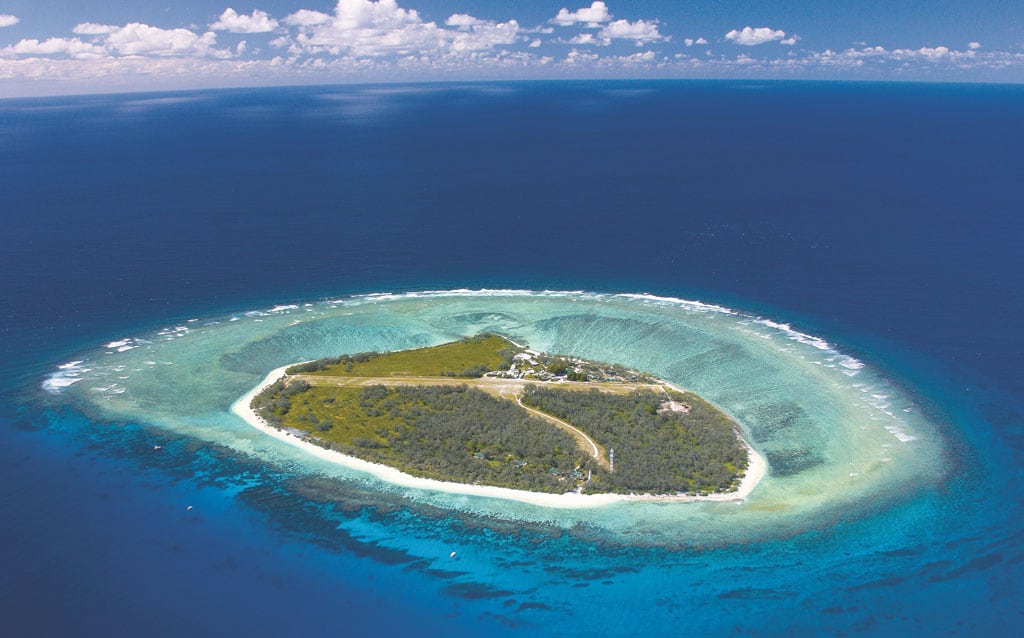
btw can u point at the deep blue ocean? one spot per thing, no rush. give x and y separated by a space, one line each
886 217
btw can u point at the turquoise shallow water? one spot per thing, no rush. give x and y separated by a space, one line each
838 437
873 514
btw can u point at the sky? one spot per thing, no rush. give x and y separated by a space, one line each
50 47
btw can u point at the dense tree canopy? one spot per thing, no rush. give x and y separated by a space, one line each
657 450
664 441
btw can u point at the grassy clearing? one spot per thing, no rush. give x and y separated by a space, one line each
470 357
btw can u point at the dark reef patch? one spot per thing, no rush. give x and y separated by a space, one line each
475 591
790 461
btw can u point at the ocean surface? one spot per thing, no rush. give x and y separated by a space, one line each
837 265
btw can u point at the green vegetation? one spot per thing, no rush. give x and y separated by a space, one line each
447 432
657 449
469 358
397 409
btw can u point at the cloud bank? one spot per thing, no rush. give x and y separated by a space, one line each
382 40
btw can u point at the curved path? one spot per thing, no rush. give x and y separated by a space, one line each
577 433
493 386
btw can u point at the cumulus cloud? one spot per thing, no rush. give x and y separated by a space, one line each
366 28
306 18
475 34
479 35
646 56
930 53
142 39
281 42
576 57
641 31
593 15
231 20
133 39
609 63
690 41
7 20
748 36
463 20
91 28
974 46
71 47
585 38
375 28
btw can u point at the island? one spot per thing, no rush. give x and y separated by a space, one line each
488 416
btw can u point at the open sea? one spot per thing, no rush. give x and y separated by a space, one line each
837 265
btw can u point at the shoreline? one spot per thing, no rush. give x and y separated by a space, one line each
756 468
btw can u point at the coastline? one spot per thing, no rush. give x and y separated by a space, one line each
756 468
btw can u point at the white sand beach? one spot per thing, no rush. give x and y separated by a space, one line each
755 470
